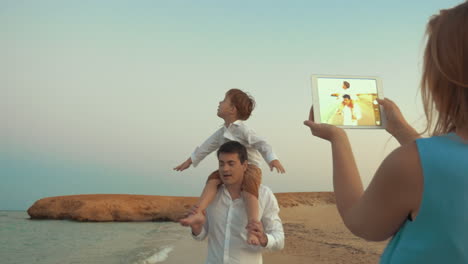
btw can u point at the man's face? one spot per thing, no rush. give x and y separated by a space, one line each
231 170
346 101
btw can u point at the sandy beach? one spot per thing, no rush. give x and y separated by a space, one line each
314 234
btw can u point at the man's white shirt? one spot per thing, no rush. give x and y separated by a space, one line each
256 146
225 228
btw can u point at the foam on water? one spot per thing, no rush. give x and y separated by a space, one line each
51 241
159 256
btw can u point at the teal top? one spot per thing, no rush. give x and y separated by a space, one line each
439 234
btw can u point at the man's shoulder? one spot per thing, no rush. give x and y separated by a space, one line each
264 188
267 199
265 191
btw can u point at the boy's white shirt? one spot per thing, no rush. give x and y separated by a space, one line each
256 146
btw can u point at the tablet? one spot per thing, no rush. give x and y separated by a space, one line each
348 101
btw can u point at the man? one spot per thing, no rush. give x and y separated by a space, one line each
351 111
225 220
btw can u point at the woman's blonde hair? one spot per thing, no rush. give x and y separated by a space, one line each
444 84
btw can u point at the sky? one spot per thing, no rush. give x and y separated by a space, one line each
109 96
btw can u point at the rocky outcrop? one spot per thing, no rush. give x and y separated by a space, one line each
305 198
126 207
111 207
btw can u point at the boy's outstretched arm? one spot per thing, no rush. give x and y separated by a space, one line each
184 165
277 165
265 150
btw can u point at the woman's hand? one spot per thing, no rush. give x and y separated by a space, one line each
396 124
325 131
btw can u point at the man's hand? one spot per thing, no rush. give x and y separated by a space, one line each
256 228
193 210
184 165
195 219
277 165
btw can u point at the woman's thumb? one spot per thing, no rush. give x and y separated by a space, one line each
309 123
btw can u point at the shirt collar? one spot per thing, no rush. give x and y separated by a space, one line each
227 194
236 123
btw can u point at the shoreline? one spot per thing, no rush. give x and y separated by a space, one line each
314 234
314 231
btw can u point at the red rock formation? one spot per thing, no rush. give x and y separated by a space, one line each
111 207
125 207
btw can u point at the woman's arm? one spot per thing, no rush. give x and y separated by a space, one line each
394 192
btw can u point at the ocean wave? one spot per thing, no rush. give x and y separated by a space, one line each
159 256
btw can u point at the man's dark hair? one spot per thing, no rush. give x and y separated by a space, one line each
234 147
347 96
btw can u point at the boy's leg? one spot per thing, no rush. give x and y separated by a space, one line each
207 196
250 185
209 192
251 204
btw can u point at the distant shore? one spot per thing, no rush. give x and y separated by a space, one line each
127 207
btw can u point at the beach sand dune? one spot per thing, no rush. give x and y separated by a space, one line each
316 234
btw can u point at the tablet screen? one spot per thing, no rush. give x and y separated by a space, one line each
348 101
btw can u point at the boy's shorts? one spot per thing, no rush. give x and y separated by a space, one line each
251 182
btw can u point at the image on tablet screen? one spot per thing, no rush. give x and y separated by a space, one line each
348 102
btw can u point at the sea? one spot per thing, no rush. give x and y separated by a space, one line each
23 240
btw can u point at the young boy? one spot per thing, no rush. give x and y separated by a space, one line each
236 107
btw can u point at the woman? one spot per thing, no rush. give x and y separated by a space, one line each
419 194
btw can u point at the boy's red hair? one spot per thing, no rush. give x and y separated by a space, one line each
243 102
